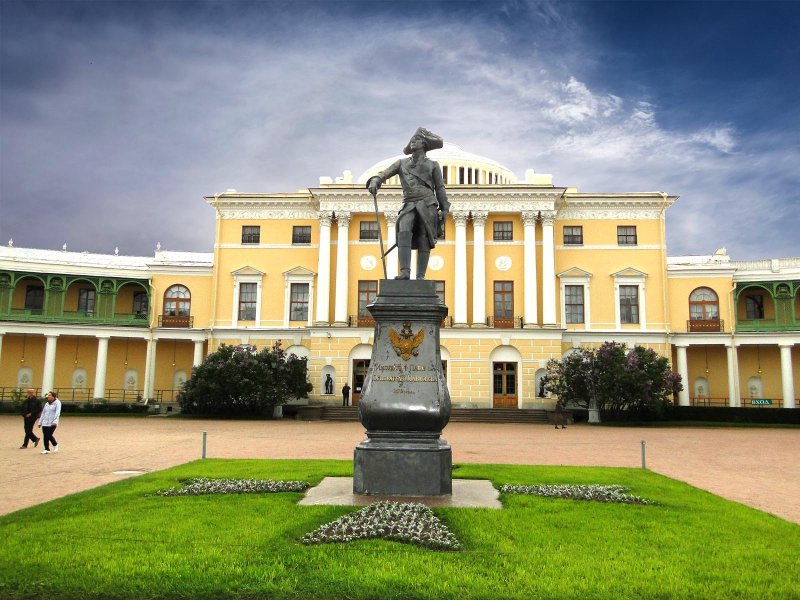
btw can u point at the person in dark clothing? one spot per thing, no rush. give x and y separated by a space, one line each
345 395
560 417
31 409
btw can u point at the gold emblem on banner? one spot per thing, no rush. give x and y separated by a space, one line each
406 343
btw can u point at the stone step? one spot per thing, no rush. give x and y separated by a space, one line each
474 415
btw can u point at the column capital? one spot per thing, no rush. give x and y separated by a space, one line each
343 219
479 217
325 218
548 217
391 218
529 217
460 217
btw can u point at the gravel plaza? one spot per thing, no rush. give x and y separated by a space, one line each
755 466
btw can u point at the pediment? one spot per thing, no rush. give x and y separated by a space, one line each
629 272
246 270
299 272
575 272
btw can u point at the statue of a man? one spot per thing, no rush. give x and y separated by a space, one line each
421 219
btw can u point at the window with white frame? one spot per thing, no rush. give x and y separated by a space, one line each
298 309
248 296
629 304
573 304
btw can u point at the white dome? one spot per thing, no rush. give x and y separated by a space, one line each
460 167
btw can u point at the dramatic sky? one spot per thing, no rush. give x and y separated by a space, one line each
116 118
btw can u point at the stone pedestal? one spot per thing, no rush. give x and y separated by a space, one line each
404 403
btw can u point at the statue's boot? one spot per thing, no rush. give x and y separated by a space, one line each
404 254
422 262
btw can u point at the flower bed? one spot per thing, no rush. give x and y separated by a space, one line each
411 523
203 485
596 493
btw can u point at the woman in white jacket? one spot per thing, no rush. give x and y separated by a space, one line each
49 421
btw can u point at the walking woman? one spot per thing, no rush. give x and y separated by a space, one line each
49 421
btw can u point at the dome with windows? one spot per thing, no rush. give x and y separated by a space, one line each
458 167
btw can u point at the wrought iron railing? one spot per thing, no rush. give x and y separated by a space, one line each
705 325
765 325
505 322
175 321
38 316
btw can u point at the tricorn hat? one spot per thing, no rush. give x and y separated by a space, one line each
432 141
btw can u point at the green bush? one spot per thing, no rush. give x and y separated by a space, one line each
237 381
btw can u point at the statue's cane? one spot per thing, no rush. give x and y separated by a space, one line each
380 234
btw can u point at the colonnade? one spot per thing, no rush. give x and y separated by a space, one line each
101 364
787 375
460 272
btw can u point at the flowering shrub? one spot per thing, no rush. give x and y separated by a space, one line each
597 493
203 485
411 523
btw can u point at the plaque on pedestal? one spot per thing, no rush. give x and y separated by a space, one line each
404 403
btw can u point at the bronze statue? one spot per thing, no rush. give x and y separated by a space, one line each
421 219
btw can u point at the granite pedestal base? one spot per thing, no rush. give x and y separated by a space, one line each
403 463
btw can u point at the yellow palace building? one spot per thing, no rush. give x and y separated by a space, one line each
528 270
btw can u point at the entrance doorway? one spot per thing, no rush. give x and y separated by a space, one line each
504 376
360 367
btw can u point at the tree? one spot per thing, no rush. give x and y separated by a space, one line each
635 383
238 381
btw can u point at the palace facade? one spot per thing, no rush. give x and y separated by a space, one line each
529 271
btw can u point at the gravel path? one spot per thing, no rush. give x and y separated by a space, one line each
755 466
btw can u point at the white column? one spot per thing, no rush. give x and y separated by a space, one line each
460 313
324 270
531 315
342 253
100 368
683 371
787 377
150 369
642 307
479 268
392 265
49 371
198 353
733 377
548 271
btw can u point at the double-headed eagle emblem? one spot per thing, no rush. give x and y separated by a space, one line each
406 343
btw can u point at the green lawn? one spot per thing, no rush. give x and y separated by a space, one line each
120 541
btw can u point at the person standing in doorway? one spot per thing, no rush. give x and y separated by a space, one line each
49 421
345 395
31 409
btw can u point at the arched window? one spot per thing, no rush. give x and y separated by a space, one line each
704 310
177 307
177 301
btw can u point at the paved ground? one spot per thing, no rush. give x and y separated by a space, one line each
759 467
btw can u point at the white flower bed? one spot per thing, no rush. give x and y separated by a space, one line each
597 493
411 523
203 485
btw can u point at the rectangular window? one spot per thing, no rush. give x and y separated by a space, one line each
629 303
573 235
440 290
86 301
251 234
503 231
368 230
301 234
367 292
298 306
503 300
626 235
754 305
445 171
573 303
34 298
140 304
248 293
